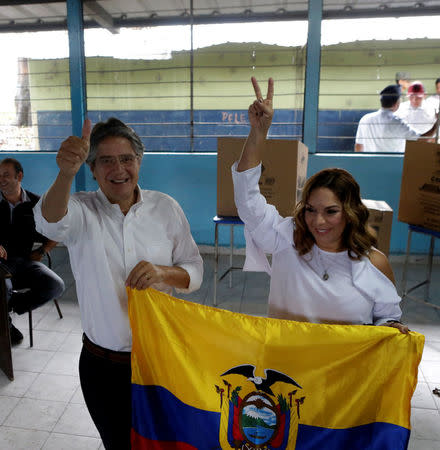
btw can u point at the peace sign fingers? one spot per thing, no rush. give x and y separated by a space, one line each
260 113
270 89
258 90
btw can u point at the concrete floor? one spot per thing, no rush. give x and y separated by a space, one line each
43 407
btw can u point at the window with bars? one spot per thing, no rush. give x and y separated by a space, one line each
358 65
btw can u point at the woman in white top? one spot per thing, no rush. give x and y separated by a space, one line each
324 266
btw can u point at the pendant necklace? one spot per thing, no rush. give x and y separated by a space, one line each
325 275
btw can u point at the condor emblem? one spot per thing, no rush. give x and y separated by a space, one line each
256 415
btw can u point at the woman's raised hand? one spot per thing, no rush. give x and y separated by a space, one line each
261 111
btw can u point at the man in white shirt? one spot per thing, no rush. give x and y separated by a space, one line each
418 113
434 100
117 236
382 130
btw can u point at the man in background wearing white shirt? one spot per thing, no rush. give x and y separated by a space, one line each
382 130
434 100
417 113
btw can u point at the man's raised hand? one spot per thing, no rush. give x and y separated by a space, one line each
74 151
261 111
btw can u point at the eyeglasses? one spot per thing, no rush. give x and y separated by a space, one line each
110 161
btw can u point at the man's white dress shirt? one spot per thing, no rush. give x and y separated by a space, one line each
434 102
104 246
383 131
421 119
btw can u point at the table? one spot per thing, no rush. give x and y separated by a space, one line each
404 289
232 221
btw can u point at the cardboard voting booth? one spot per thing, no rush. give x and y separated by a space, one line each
380 220
284 173
420 189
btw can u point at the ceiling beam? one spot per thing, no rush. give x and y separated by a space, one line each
28 2
100 15
248 16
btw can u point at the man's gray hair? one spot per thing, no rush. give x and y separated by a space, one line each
113 128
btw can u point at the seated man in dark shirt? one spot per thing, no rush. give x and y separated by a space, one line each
17 238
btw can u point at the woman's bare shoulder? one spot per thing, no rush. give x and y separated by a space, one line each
380 261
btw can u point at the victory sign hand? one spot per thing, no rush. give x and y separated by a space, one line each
261 111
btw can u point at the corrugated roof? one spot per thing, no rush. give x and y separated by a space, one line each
31 15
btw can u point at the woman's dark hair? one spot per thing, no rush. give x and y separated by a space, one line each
115 128
356 238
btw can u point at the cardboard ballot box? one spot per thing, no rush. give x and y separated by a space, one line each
380 220
420 189
284 173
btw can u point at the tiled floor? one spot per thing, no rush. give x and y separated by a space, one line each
43 407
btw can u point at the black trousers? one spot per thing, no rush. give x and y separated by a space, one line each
44 283
106 386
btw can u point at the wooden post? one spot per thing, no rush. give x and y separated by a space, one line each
5 338
23 97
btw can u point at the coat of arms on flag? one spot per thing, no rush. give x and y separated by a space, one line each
209 379
256 417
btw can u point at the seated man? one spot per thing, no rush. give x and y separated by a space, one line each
383 130
17 237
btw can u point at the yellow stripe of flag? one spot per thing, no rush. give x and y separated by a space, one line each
350 375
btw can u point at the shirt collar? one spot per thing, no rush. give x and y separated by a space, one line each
24 197
113 206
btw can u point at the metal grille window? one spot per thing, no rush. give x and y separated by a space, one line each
354 72
142 76
32 84
222 87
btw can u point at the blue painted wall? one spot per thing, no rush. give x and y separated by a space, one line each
169 131
192 180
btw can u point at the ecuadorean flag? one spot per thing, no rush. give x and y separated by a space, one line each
206 379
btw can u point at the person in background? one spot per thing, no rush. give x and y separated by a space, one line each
38 284
417 113
325 268
434 100
403 79
383 130
118 236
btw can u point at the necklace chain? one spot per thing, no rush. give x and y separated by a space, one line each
325 275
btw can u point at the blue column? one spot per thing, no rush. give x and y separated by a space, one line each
77 68
313 69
